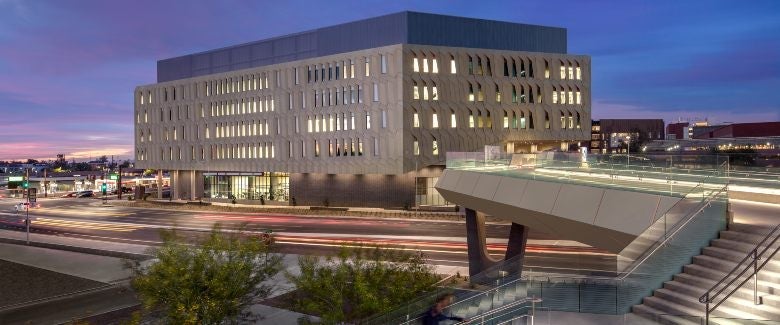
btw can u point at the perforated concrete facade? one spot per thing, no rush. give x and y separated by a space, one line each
257 119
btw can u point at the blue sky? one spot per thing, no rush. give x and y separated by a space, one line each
68 68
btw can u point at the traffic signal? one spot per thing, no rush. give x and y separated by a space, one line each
104 188
26 184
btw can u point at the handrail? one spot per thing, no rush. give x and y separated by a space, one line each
752 257
679 226
477 295
502 308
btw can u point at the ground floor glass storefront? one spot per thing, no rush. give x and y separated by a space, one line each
426 193
248 186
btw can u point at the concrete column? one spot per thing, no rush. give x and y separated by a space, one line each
159 183
175 180
198 183
479 259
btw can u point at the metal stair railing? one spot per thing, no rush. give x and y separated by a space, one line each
751 261
490 315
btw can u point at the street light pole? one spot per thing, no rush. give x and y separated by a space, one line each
628 151
27 207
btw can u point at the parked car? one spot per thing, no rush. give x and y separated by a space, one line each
87 193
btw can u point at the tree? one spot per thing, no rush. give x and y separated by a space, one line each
82 166
125 164
212 282
103 159
360 282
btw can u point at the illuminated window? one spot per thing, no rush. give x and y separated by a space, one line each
453 67
434 93
352 120
480 94
368 66
579 73
563 120
498 94
471 92
579 98
571 72
382 63
554 96
571 97
416 65
471 120
416 92
352 68
416 120
434 66
425 92
453 120
546 69
546 120
368 120
435 147
435 120
425 64
416 147
563 72
506 120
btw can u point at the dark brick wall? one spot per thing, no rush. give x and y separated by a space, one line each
345 190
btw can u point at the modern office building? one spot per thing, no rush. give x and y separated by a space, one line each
612 135
358 114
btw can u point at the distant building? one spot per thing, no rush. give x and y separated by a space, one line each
612 135
677 130
740 130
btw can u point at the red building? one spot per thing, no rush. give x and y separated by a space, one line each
676 130
743 130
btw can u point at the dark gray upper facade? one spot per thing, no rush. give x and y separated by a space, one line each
398 28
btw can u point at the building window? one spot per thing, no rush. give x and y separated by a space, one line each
368 66
383 63
471 92
453 120
471 120
416 120
376 92
480 94
416 65
376 146
435 120
415 91
434 66
425 92
425 65
434 93
506 120
384 119
498 94
352 68
563 72
435 147
579 98
416 147
579 73
453 67
368 120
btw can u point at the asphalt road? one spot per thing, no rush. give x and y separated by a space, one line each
443 242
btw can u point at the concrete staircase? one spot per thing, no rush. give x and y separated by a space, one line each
677 302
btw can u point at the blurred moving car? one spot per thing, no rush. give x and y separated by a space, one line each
87 193
70 194
23 206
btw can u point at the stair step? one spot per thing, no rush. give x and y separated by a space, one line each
746 292
719 264
736 257
731 305
655 316
734 245
751 229
743 237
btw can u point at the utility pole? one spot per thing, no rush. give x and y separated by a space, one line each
119 186
27 207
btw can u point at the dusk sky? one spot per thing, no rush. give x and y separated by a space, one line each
68 68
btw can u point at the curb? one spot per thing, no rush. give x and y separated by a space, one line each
78 249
